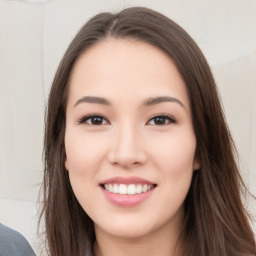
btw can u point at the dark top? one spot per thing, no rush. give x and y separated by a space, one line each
12 243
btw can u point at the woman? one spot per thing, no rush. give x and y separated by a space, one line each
138 157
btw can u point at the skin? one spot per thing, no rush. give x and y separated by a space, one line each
129 142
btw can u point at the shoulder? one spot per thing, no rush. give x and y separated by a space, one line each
12 243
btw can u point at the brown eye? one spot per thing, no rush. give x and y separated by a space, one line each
161 120
94 120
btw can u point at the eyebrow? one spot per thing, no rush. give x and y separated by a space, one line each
93 99
162 99
148 102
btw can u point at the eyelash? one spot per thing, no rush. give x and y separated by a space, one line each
84 119
90 116
170 119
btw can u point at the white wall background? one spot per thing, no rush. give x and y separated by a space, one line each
33 38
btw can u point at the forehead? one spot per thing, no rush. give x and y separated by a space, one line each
123 68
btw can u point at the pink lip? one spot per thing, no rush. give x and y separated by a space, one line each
126 180
127 200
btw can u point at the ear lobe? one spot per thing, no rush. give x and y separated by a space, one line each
196 164
66 164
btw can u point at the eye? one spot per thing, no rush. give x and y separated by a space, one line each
94 119
161 120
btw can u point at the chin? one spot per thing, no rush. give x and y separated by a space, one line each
129 233
125 229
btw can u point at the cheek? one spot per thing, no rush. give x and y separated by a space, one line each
83 154
175 162
177 150
83 164
174 154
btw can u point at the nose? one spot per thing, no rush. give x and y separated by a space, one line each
127 150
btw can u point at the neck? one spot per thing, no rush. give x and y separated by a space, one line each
162 242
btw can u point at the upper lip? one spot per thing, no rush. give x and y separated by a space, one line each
127 180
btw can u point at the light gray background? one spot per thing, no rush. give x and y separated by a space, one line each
33 38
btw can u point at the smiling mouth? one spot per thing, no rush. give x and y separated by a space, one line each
125 189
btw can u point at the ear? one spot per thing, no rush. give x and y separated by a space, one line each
196 163
66 164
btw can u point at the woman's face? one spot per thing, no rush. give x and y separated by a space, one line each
130 144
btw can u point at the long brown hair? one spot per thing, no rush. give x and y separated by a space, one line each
216 222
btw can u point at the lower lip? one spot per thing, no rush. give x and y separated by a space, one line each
127 200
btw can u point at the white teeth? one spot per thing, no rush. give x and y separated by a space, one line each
145 188
122 189
139 189
115 188
130 189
